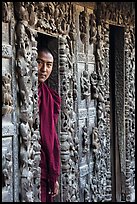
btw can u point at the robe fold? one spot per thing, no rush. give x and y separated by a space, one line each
49 107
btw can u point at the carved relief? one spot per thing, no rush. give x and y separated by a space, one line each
25 154
85 84
44 16
63 18
58 18
112 15
26 68
130 113
71 37
100 144
7 170
6 15
92 28
85 141
7 101
69 141
94 84
75 89
52 17
95 140
83 26
117 13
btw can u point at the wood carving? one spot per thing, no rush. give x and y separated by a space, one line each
5 12
6 95
85 84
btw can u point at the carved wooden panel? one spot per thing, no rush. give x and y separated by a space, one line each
10 180
130 112
113 13
7 170
86 29
81 37
26 70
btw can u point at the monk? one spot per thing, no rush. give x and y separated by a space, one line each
49 107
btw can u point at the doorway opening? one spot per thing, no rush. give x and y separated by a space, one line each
52 43
117 84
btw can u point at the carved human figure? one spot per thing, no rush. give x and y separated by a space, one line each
95 139
85 84
85 139
5 12
6 94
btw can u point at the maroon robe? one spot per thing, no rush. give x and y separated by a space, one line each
49 106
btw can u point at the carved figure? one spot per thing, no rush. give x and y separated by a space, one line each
85 139
6 170
95 140
93 30
82 26
5 12
94 88
6 94
85 85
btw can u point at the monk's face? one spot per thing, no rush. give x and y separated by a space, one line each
45 64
